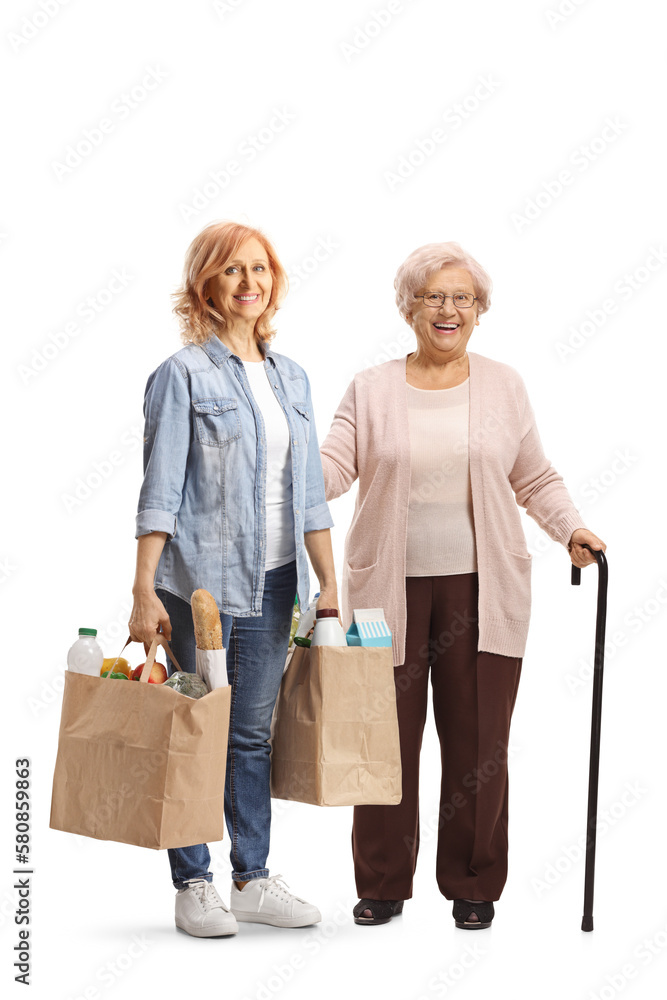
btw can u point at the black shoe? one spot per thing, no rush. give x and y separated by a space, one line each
462 910
382 909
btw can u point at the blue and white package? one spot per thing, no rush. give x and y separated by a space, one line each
368 628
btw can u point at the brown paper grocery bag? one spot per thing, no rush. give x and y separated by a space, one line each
334 734
140 763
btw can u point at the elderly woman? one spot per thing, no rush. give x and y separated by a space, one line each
232 500
445 446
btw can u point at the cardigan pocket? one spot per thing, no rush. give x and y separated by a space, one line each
514 594
362 569
519 555
365 587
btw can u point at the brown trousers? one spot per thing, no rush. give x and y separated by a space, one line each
473 698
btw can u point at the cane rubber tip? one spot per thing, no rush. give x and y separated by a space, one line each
587 924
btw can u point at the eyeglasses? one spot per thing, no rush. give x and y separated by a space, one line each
462 300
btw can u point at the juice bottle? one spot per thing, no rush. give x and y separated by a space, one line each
86 656
328 630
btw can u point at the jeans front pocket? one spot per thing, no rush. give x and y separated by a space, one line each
217 421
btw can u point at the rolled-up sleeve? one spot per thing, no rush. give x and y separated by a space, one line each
167 435
317 514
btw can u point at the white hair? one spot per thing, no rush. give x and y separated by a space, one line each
416 270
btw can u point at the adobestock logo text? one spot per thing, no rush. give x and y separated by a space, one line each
88 310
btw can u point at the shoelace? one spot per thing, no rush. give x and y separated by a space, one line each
206 892
272 884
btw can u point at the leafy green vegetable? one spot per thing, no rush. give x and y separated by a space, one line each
190 685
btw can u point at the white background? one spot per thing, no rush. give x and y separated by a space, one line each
359 97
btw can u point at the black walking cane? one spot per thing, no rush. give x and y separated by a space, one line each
587 919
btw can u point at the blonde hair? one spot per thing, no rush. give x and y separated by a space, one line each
206 257
415 271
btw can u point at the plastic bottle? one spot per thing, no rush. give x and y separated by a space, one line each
307 619
296 614
328 630
86 656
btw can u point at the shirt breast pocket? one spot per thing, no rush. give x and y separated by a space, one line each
217 421
303 418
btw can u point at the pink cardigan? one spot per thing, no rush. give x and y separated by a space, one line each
369 439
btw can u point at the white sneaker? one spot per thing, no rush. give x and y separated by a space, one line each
266 901
201 912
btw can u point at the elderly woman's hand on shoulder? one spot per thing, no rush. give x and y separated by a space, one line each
578 554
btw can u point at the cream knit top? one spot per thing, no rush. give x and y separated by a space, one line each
441 535
369 441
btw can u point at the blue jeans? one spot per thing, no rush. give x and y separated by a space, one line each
256 650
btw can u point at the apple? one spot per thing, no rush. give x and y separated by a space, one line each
158 674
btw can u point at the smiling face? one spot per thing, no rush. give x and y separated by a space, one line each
443 333
243 288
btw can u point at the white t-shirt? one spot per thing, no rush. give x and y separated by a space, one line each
280 545
441 533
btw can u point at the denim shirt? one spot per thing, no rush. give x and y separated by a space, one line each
204 481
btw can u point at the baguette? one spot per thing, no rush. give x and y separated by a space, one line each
206 618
